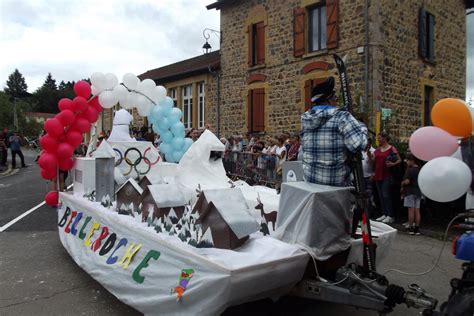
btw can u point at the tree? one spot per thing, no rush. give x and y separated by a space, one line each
47 96
16 85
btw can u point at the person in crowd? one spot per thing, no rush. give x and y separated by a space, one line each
294 147
412 194
385 157
328 135
280 153
4 145
287 137
157 141
368 170
236 144
193 134
251 140
15 147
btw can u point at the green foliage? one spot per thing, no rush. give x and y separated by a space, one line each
16 85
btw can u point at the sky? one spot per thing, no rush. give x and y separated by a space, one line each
73 39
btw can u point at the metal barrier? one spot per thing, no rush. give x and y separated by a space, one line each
253 168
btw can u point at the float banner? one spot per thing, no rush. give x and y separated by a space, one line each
158 274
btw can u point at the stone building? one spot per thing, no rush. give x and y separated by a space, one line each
401 56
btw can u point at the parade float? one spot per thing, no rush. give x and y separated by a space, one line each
178 236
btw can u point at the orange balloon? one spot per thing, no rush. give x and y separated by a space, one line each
453 116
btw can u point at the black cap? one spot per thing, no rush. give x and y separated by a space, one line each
323 90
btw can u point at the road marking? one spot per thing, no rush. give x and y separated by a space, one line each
2 185
31 210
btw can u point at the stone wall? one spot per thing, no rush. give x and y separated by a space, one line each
396 73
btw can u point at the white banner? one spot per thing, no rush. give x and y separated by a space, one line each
158 274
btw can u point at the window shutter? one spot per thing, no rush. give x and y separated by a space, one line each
422 33
258 119
431 37
308 85
249 110
332 23
250 45
260 43
298 32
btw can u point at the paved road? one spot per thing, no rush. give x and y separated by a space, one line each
37 276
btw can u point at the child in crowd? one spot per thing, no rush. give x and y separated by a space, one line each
412 194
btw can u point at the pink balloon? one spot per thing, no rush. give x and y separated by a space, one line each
82 89
65 104
431 142
95 103
48 161
91 114
54 127
49 143
73 138
52 198
65 150
66 117
79 104
66 164
48 174
81 124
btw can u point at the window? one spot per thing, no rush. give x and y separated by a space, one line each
173 94
201 105
317 28
426 35
256 110
256 44
428 102
187 105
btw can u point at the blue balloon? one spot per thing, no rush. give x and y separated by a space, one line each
175 114
167 103
178 143
187 143
167 137
177 155
163 123
177 129
156 112
166 148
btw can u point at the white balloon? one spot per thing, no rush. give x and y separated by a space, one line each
144 109
98 80
121 93
457 154
95 90
141 100
131 81
147 85
444 179
110 81
107 99
158 94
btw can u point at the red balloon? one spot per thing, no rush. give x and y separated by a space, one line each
73 138
65 150
48 174
49 143
95 103
65 104
79 104
52 198
48 161
91 114
53 127
81 124
82 89
66 117
66 164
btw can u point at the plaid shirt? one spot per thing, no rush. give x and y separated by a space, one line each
327 135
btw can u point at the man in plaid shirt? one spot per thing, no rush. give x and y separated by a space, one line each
328 134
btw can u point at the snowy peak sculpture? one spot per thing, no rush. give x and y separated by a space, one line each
226 215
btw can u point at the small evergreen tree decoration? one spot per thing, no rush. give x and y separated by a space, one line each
173 217
264 229
192 242
182 236
158 228
172 231
206 240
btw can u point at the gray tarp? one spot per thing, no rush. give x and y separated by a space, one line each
318 216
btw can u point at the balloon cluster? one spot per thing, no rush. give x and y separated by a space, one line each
64 134
445 177
150 100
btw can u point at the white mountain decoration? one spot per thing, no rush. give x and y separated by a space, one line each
206 240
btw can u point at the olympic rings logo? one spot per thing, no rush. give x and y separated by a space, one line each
134 164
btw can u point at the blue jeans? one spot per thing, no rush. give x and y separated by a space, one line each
384 188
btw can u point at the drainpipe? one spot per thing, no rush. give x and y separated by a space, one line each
366 50
218 77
